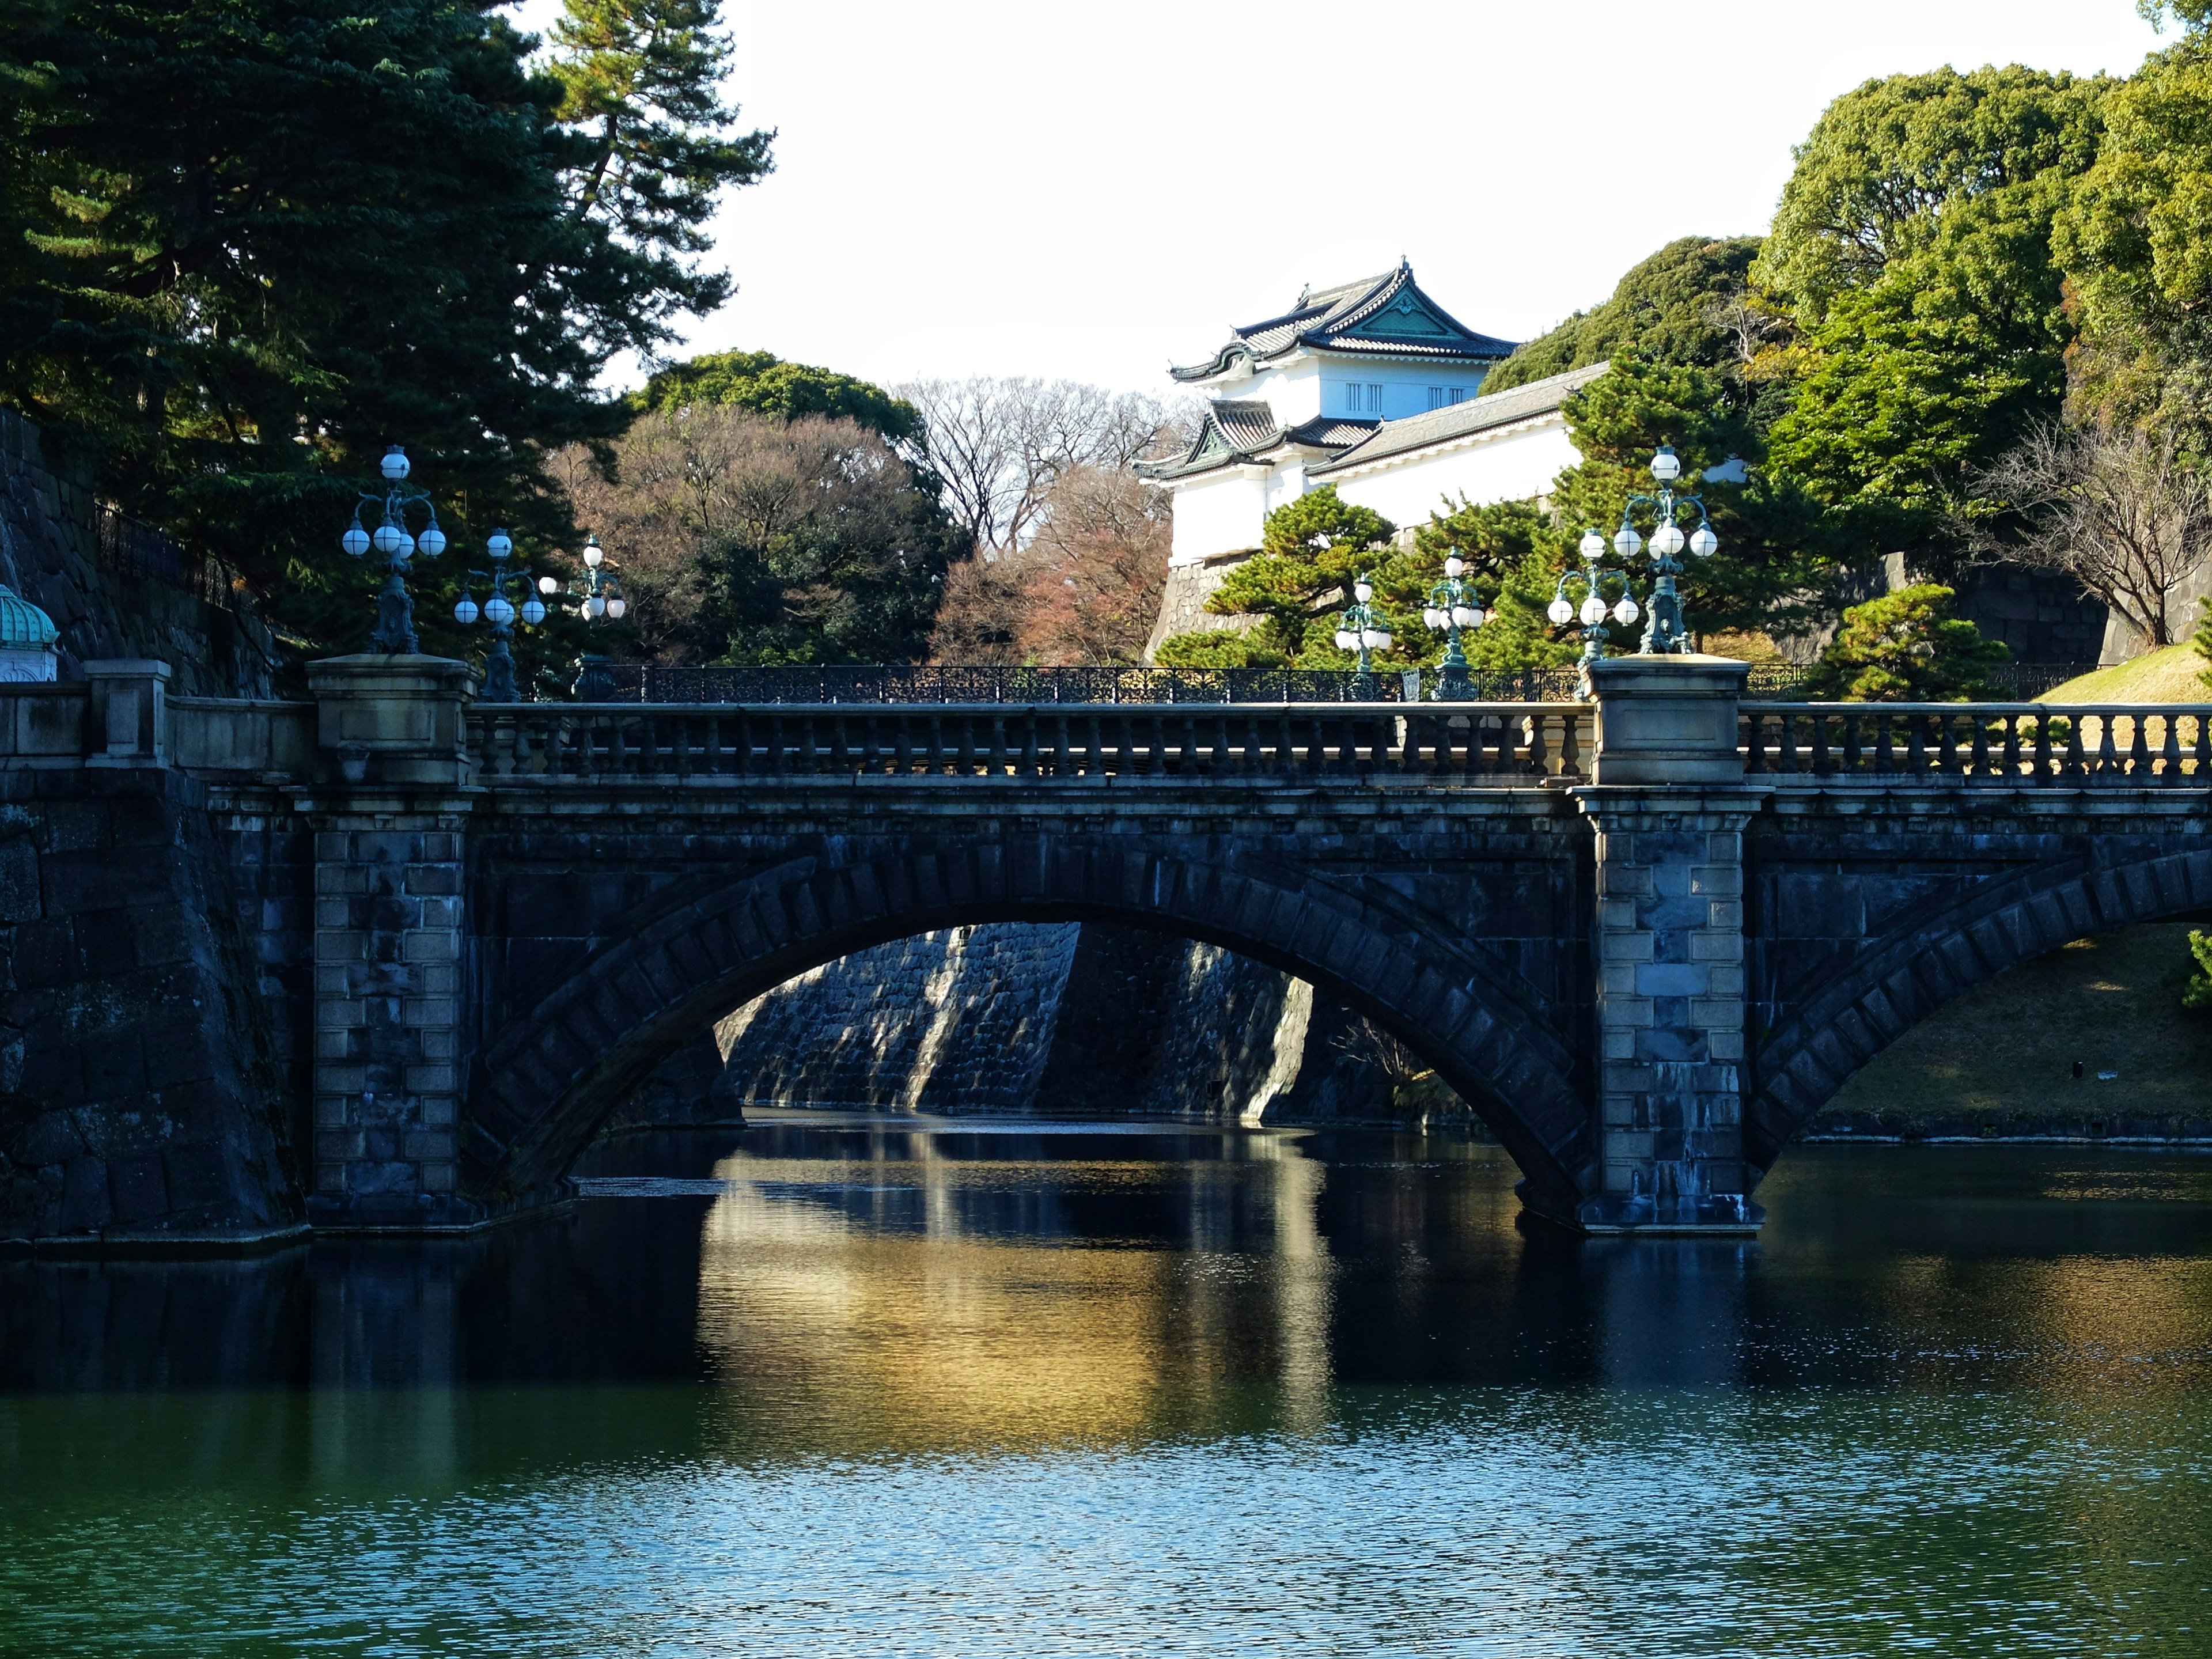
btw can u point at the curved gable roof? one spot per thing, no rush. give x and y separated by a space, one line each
1384 316
1238 430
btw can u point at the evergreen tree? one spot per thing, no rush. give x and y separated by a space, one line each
263 239
1514 558
762 381
1906 646
1780 551
1913 250
2137 242
1676 307
1311 551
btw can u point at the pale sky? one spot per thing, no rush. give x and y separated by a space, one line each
1096 190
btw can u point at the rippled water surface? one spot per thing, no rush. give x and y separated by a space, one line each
818 1390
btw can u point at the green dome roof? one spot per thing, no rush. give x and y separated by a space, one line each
23 626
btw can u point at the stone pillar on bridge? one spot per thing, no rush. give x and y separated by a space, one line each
1669 803
389 804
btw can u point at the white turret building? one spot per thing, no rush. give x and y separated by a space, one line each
1371 387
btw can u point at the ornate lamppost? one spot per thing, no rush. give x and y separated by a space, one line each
395 611
499 614
1593 611
598 596
599 593
1454 604
1664 634
1362 628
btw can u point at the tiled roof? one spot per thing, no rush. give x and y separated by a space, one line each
1463 419
1237 430
1386 316
1331 432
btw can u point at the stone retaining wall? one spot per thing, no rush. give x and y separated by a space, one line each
140 1097
1059 1021
49 542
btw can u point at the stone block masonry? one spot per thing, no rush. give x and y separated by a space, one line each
143 1102
958 1021
1670 1001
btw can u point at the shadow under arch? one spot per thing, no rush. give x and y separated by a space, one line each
1911 972
545 1080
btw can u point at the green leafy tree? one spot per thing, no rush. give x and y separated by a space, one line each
1311 551
748 539
1218 649
1913 251
1691 302
1514 558
1906 646
262 240
763 382
1781 552
2197 993
2135 237
2203 639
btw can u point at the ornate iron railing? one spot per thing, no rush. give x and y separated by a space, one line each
2011 742
603 682
128 548
558 743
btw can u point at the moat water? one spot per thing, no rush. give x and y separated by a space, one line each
825 1390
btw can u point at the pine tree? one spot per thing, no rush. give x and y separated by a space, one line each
263 239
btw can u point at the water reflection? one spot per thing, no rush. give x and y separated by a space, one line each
872 1387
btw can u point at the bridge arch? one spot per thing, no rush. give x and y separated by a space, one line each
545 1080
1916 969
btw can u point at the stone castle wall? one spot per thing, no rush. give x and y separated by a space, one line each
1061 1021
49 542
141 1095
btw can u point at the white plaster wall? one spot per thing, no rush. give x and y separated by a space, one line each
1507 469
1405 391
1292 390
1220 515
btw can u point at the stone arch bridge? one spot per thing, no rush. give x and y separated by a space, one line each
1645 937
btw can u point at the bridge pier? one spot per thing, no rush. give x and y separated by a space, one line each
1667 807
389 811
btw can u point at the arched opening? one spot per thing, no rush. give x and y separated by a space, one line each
1066 1022
549 1078
1930 961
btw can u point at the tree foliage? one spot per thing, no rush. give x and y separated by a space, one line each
1781 552
1685 304
1513 557
1913 250
1310 552
1086 590
1907 646
2197 993
250 244
764 383
747 538
2136 237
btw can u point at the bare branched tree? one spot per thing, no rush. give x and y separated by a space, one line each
998 445
1084 590
2120 510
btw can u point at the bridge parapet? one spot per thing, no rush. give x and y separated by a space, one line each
570 743
2166 745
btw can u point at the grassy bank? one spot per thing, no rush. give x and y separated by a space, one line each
2173 675
1999 1060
